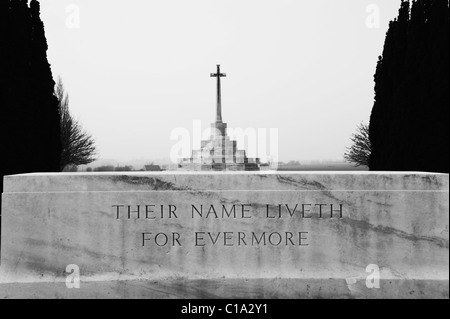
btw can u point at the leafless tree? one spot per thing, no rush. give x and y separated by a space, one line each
78 147
361 148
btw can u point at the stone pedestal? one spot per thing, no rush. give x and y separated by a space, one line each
219 153
240 235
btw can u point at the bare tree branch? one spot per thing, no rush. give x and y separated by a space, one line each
78 147
361 148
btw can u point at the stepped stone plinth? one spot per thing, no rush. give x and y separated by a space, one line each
219 153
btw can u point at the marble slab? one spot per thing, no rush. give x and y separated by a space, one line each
231 234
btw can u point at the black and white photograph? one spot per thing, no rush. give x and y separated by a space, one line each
222 158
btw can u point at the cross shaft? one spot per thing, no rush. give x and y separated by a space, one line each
218 75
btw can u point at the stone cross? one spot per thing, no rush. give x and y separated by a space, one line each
218 75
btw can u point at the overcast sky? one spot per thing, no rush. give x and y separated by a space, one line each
138 69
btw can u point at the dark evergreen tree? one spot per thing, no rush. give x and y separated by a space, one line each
409 126
30 129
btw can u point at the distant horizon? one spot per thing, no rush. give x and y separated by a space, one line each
166 161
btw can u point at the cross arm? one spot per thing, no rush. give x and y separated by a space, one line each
215 75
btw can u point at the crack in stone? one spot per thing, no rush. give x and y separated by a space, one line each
302 183
154 183
364 225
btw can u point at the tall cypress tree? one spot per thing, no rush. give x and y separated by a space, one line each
409 126
29 130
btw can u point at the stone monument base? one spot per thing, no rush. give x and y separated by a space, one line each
183 288
219 153
225 235
221 167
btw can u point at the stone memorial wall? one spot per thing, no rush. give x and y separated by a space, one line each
243 235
